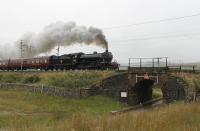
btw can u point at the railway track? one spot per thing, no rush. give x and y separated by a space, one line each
148 104
38 71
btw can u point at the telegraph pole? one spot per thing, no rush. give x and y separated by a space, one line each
21 47
30 50
22 50
58 50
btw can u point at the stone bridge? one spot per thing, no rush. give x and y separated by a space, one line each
136 87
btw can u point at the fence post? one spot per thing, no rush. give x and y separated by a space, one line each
193 68
42 89
136 77
153 63
80 93
54 91
166 62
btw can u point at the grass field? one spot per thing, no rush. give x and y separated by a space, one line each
36 112
69 79
177 117
26 110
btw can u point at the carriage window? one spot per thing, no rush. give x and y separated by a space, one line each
45 61
32 61
37 61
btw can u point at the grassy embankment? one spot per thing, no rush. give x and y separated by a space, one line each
193 81
69 79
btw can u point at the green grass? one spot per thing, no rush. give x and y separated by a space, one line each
177 117
157 92
25 109
71 79
44 113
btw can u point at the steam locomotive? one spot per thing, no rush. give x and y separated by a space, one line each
67 61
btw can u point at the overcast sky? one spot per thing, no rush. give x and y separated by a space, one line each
178 39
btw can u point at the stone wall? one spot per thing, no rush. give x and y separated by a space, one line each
114 85
55 91
173 89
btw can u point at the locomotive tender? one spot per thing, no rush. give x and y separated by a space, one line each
66 61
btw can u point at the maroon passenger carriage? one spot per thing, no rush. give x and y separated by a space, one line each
31 63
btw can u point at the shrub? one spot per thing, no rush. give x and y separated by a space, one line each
31 79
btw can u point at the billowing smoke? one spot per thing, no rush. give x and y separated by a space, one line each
62 34
8 51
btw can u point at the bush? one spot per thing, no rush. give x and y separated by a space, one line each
31 79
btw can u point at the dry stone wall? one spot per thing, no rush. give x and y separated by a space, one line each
55 91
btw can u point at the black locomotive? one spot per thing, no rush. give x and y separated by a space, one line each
68 61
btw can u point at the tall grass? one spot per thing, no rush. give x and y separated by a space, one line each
70 79
177 117
24 109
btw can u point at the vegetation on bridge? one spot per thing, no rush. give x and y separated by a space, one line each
192 79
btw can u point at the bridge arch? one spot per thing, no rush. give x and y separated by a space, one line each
143 90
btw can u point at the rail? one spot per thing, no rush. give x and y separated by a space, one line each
151 103
184 68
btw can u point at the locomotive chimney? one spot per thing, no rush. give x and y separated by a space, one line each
106 48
